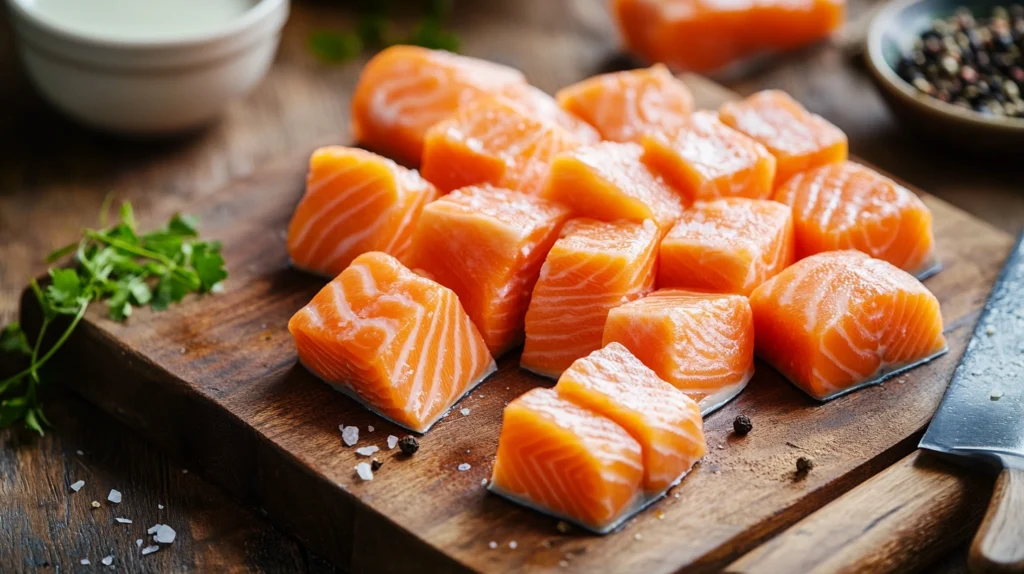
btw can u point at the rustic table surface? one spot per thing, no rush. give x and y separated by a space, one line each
54 175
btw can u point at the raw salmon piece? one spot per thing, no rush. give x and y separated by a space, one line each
545 107
798 139
488 244
623 106
702 343
607 181
840 320
593 267
729 245
355 201
396 342
849 206
494 140
562 459
704 35
666 423
706 159
404 90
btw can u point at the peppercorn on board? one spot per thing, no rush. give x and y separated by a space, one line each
217 384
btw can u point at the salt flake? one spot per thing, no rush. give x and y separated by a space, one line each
154 528
364 471
369 428
392 441
150 550
464 467
367 450
79 453
84 562
108 560
492 544
114 496
164 535
160 506
77 485
350 435
123 520
465 412
483 481
512 544
996 395
138 543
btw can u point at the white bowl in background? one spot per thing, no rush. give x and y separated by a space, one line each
147 86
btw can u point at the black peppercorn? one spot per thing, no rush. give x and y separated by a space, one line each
375 465
742 425
409 445
804 465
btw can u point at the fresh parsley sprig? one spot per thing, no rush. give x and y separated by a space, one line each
115 265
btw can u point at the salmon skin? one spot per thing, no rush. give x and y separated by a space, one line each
608 440
729 245
355 201
593 267
487 245
701 343
404 90
841 320
396 342
609 181
705 159
850 206
705 35
623 106
798 139
494 140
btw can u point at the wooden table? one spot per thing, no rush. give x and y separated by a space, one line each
53 176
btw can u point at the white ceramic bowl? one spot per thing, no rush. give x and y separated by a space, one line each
147 87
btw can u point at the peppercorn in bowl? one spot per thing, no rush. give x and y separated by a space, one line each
952 70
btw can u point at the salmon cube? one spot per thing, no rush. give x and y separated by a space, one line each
404 90
624 106
608 181
543 106
729 245
837 321
355 201
567 461
702 343
593 267
397 342
494 140
487 245
706 159
850 206
798 139
667 423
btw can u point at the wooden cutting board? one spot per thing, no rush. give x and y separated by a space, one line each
215 382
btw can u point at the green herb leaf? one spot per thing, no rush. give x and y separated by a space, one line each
61 252
128 215
334 47
14 340
430 34
209 264
32 421
183 225
65 289
12 410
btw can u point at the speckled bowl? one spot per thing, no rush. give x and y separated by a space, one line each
891 34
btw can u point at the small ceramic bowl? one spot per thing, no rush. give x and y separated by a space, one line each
892 33
147 87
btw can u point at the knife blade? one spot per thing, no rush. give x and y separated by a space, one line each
981 416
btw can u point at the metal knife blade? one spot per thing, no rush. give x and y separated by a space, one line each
981 416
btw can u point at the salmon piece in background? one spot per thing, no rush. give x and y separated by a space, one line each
355 201
704 35
706 159
729 245
837 321
608 181
850 206
701 343
567 461
487 245
404 90
593 267
397 342
623 106
798 139
667 423
494 140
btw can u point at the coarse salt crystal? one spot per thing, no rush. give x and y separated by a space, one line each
154 528
77 485
160 506
79 453
638 536
464 467
367 450
996 395
114 496
150 550
563 563
107 561
492 544
184 471
676 495
990 330
369 428
465 412
95 504
164 535
392 441
350 435
84 562
512 544
123 520
483 481
364 471
138 543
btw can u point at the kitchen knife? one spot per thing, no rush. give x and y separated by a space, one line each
981 418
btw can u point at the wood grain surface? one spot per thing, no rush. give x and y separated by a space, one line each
999 544
54 175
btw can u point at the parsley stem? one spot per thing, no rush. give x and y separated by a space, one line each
140 251
36 364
